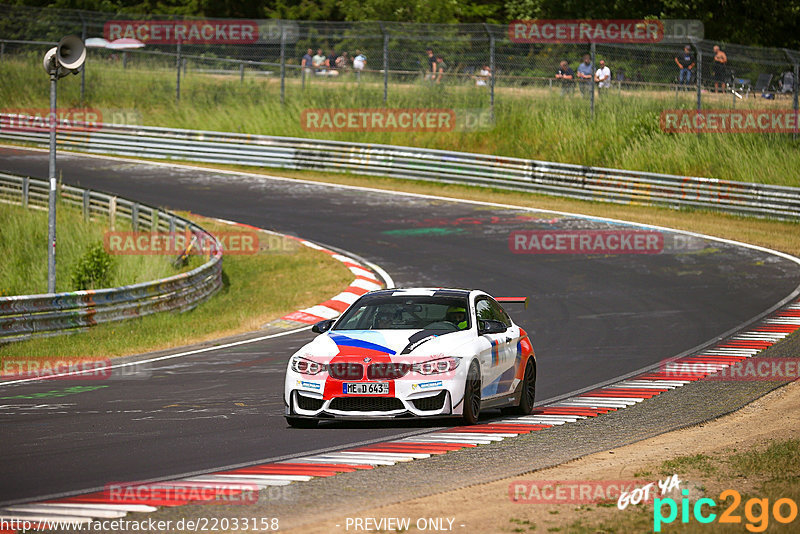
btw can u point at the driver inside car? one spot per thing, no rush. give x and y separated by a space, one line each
458 316
383 320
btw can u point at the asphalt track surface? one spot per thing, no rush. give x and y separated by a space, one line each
592 317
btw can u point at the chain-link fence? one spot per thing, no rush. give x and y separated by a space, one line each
388 58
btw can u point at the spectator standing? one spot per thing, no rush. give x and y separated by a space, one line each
585 74
441 66
567 77
603 76
306 62
432 65
685 62
719 69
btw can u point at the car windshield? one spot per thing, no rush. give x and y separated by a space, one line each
407 312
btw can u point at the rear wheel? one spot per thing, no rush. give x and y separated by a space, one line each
526 400
472 396
301 422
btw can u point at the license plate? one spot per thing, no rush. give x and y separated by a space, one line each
365 388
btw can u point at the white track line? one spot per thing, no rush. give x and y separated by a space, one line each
41 518
254 479
72 510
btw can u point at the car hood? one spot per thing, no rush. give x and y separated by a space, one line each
410 343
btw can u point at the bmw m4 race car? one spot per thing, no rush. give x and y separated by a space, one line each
413 353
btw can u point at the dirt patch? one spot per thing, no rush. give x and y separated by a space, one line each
489 508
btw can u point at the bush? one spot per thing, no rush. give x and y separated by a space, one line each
93 270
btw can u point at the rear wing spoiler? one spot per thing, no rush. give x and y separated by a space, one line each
513 300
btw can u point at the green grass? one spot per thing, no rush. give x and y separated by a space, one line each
779 459
530 122
698 462
771 472
23 247
257 288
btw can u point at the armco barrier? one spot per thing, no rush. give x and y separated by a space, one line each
560 179
26 316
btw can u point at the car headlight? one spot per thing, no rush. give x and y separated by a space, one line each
306 366
437 366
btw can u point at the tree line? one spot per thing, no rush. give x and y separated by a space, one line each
773 23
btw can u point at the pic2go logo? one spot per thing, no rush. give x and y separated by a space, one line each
756 511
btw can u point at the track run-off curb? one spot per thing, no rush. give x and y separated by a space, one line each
367 278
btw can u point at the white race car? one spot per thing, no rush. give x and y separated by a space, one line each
413 353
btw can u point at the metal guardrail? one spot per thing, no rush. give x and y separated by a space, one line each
560 179
26 316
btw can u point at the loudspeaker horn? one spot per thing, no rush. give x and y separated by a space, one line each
71 53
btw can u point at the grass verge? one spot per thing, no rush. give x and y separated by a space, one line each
257 288
760 476
23 247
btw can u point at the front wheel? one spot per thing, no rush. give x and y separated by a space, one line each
472 396
301 422
526 400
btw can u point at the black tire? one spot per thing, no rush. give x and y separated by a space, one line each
301 422
472 396
528 395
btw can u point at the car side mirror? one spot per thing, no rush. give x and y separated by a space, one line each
490 326
323 326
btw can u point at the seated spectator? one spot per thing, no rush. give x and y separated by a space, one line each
342 62
483 76
567 78
360 61
320 62
307 61
331 63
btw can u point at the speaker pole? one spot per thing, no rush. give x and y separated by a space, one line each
68 57
51 219
83 70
